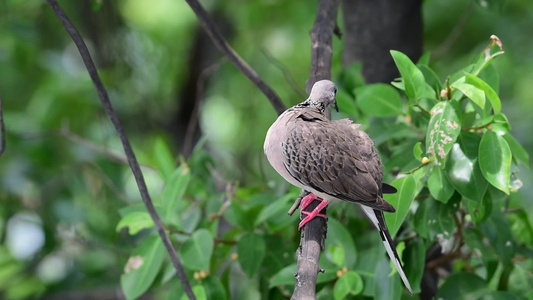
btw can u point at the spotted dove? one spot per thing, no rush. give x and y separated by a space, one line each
333 160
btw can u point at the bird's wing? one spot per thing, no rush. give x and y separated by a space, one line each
335 158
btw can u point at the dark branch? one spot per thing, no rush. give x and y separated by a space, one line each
233 57
2 129
134 165
313 233
321 41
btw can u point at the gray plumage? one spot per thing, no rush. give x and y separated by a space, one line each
332 159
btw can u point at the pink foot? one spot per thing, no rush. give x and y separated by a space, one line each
316 212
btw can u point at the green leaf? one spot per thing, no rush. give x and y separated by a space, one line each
214 288
439 186
164 160
251 249
414 82
274 209
379 100
197 250
349 283
386 287
142 267
284 277
463 169
198 291
443 129
346 102
491 94
414 257
135 221
519 153
173 192
464 286
336 255
473 93
338 235
417 151
401 201
495 160
498 295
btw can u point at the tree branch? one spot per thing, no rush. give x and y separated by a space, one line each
321 40
233 57
2 129
134 165
313 233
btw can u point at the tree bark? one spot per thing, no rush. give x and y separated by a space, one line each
373 28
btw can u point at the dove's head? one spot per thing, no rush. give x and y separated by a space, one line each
323 95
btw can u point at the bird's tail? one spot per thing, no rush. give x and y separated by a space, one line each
377 218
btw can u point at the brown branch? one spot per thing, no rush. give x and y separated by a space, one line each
132 160
233 57
321 42
313 234
2 129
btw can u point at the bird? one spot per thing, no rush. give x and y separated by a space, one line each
333 160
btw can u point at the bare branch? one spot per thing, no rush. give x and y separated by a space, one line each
313 233
233 57
321 41
2 129
134 165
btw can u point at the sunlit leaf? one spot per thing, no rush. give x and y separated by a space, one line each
414 81
443 129
379 99
417 151
251 249
135 222
142 267
495 160
473 93
401 201
489 92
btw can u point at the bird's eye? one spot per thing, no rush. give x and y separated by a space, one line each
335 91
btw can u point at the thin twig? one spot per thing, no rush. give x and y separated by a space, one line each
313 234
2 129
233 57
286 74
297 202
200 88
134 165
69 135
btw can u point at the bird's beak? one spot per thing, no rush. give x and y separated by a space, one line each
335 105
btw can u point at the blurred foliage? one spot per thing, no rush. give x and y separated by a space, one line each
71 220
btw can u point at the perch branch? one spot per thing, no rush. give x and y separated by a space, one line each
233 57
313 234
132 160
